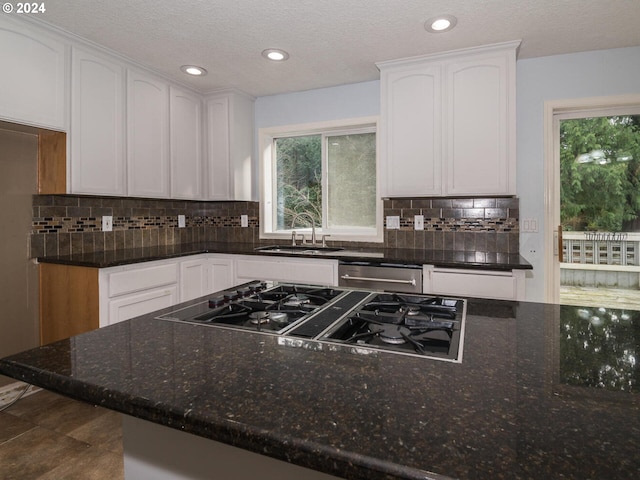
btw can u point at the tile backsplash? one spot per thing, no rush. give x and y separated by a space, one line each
482 224
66 224
71 224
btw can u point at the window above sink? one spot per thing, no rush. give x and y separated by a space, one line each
321 179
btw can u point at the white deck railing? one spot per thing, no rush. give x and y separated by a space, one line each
597 248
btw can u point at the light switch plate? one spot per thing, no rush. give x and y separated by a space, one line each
182 221
107 223
418 221
244 220
393 222
529 225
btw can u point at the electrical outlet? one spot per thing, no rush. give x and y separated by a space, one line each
244 220
107 223
418 221
393 222
182 221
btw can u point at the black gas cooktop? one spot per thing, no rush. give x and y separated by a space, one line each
258 306
410 324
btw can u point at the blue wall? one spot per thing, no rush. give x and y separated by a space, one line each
345 101
582 75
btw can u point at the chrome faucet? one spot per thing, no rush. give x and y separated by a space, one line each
313 227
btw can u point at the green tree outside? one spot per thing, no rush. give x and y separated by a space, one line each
599 169
299 181
350 188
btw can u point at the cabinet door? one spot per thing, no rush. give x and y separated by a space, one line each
193 278
479 139
97 125
411 131
131 306
230 146
185 110
220 274
32 87
204 275
147 136
218 148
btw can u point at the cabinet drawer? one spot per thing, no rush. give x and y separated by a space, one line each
466 283
135 280
319 272
142 303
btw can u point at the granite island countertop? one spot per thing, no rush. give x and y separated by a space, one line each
543 391
406 256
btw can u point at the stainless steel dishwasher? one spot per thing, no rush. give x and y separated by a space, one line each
389 278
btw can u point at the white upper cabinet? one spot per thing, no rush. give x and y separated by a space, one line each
480 141
448 123
411 124
186 144
97 125
148 173
33 79
229 146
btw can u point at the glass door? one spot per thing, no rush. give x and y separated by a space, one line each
598 232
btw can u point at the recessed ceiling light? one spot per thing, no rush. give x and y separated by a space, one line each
440 24
193 70
275 54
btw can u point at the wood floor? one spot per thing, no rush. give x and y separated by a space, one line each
46 436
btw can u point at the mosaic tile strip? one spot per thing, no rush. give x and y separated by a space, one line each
55 225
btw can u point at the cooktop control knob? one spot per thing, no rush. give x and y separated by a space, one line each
244 292
216 302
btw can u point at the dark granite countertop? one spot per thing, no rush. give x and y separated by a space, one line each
439 258
543 391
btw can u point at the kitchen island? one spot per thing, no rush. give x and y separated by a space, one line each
543 391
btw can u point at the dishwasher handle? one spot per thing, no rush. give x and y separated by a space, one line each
346 276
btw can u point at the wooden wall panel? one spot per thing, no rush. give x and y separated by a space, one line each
69 301
52 162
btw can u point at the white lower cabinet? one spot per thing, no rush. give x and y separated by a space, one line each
220 272
130 306
494 284
205 274
193 278
128 291
132 290
285 269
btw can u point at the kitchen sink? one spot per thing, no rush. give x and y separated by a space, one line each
299 249
318 250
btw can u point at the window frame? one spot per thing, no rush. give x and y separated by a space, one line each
267 181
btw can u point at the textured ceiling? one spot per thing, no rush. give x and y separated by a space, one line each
331 42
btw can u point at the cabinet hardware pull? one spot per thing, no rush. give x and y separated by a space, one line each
384 280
